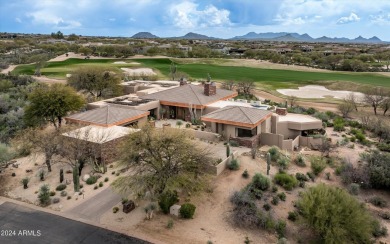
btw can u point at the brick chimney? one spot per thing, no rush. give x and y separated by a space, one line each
281 111
210 89
183 82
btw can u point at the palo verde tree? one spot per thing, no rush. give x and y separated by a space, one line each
52 103
336 216
162 160
97 81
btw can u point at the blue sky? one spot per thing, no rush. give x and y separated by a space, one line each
220 18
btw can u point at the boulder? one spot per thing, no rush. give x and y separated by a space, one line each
175 210
86 177
128 206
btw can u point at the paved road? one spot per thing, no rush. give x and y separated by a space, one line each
94 208
48 228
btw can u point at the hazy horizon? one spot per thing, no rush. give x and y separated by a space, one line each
219 18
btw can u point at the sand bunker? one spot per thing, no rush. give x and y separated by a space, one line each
120 62
317 92
139 71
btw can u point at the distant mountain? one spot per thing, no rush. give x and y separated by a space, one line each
144 35
195 36
295 37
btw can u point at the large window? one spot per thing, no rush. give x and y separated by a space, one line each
244 133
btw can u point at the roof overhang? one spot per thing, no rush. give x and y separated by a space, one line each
118 123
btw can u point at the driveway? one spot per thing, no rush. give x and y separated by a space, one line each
19 224
95 207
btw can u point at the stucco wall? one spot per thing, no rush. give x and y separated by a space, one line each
218 169
271 139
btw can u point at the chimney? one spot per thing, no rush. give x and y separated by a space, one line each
210 89
183 82
281 111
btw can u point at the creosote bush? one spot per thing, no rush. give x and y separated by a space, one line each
300 160
282 196
234 165
288 182
378 201
354 189
292 216
61 187
318 164
187 210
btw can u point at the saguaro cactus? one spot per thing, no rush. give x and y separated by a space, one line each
61 175
227 150
76 178
268 162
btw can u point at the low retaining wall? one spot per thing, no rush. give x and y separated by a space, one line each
310 142
208 136
246 142
218 169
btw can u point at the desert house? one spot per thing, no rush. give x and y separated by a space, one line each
247 123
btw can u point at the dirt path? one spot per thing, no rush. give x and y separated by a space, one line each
48 80
9 69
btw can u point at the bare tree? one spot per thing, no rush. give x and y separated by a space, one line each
245 87
229 85
374 97
353 100
385 105
345 108
292 100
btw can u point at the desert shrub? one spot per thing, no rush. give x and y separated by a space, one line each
13 174
311 176
274 189
354 189
280 228
261 182
274 152
187 210
170 224
255 193
311 111
56 200
282 196
52 193
378 168
91 180
378 230
336 216
350 174
267 207
292 216
96 187
100 184
302 184
288 182
234 143
106 179
245 174
44 195
69 197
300 160
378 202
322 116
275 200
234 165
338 124
283 162
166 200
63 193
61 187
301 177
25 182
385 147
115 209
318 164
385 215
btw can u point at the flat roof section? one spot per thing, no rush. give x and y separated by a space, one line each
100 135
300 118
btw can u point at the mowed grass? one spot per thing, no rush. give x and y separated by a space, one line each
61 68
273 78
266 78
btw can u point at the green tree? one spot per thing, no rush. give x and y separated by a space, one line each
162 160
97 81
335 215
5 154
85 50
52 103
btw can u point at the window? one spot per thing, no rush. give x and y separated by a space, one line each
244 132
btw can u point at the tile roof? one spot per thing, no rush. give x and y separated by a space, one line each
108 115
238 115
187 94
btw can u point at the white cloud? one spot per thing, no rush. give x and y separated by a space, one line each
381 19
348 19
187 15
112 19
18 20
